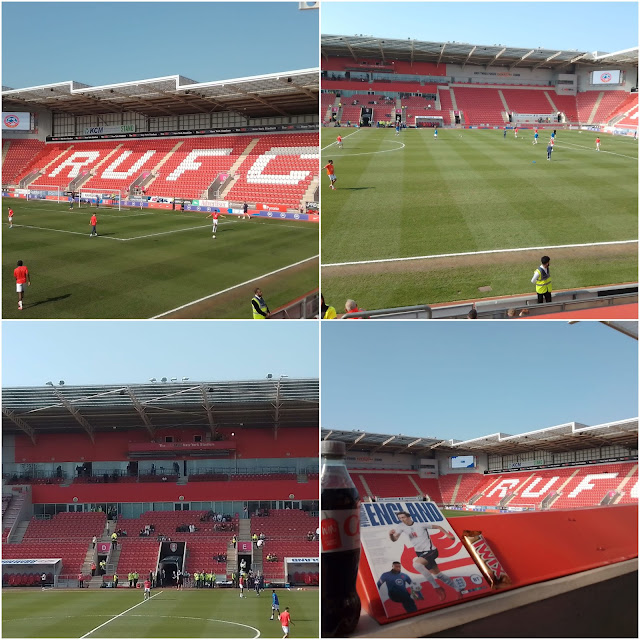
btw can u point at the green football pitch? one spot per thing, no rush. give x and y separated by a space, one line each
148 263
496 201
107 613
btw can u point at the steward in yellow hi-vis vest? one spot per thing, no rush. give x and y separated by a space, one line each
326 312
542 280
259 306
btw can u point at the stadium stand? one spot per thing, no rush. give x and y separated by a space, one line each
275 168
149 508
19 155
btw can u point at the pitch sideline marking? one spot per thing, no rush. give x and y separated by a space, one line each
75 233
235 286
477 253
579 147
118 616
373 153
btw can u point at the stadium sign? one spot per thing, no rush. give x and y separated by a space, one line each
28 561
302 560
191 132
123 128
558 465
16 121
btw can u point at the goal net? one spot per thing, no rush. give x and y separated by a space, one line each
100 198
54 193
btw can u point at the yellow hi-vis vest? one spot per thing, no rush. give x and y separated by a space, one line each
263 307
330 314
543 284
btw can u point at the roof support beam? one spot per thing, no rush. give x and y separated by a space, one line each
441 53
524 57
21 424
413 43
75 413
568 62
263 102
387 441
148 103
355 442
381 50
497 56
414 442
469 56
328 434
209 409
352 52
141 412
555 55
277 405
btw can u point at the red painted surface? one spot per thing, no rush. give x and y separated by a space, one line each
617 312
170 492
77 447
538 546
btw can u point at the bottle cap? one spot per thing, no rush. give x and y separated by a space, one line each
333 448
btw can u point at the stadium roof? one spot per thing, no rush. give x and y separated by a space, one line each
271 403
462 53
565 437
357 440
283 94
572 436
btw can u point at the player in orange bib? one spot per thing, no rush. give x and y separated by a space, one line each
94 226
285 621
10 218
331 173
339 139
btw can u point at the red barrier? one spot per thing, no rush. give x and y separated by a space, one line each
534 547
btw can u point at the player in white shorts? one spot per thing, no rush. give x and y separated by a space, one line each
418 537
241 585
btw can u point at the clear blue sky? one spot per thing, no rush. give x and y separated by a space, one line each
462 379
108 42
132 352
585 26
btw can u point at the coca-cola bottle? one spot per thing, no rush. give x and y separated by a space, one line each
339 543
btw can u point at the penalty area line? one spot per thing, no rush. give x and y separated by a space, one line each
479 253
118 616
235 286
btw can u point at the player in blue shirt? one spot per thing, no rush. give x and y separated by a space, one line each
398 128
535 138
275 604
435 133
549 150
504 134
71 202
397 582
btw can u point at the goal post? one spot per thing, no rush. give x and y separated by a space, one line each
53 193
101 198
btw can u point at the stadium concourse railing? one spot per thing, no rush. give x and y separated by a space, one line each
499 309
305 307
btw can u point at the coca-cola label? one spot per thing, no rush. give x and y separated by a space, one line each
339 530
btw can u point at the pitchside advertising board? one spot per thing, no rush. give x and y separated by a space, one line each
609 76
16 121
423 543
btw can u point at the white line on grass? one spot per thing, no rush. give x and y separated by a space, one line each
164 233
75 233
580 147
344 138
118 616
373 153
235 286
478 253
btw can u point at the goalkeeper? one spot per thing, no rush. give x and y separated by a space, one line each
397 583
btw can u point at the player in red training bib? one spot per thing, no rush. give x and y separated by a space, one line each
285 621
339 139
147 590
215 215
21 274
10 217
